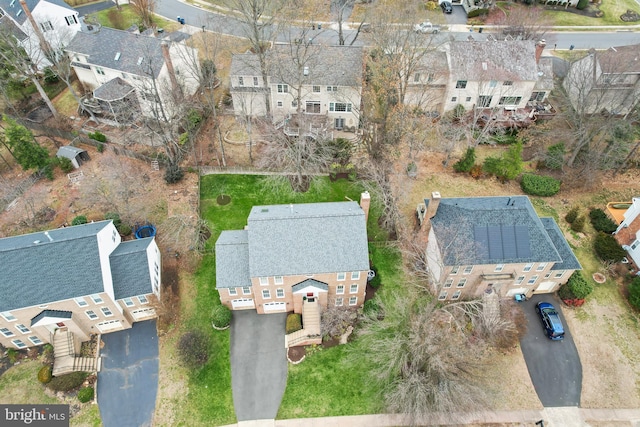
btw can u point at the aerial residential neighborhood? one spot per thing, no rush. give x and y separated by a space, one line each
381 213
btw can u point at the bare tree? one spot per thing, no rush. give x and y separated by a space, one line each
145 9
525 23
15 56
417 370
260 27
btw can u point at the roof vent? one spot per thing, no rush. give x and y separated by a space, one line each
36 242
306 71
117 56
46 233
140 60
484 66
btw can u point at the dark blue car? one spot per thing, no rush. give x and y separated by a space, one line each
550 320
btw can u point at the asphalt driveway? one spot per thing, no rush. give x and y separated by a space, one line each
457 17
258 364
128 381
554 366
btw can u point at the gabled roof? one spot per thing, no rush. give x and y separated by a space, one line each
232 259
54 265
130 269
113 90
12 9
307 238
138 54
53 314
310 283
326 65
500 60
492 230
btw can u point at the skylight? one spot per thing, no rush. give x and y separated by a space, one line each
117 56
140 60
19 12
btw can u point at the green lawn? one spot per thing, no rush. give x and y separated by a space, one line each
209 401
612 11
126 17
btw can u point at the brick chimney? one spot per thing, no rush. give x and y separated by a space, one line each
432 207
44 44
539 48
365 202
177 90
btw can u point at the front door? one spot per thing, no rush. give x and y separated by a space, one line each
310 297
339 123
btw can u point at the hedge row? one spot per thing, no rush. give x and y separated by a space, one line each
537 185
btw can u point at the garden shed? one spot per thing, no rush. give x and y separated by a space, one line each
75 154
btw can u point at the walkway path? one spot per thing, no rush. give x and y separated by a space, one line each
553 417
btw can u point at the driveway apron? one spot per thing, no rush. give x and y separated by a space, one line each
258 364
554 366
128 380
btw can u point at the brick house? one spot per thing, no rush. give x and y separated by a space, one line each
82 280
492 244
291 254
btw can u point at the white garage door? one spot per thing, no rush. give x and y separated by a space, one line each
275 306
109 326
545 287
516 291
242 303
143 313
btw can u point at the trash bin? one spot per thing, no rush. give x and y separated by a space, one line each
480 29
319 26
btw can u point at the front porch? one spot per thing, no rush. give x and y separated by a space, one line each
310 332
65 352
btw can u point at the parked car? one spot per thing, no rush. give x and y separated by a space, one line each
550 320
426 28
446 7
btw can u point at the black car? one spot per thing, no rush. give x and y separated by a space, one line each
446 7
550 320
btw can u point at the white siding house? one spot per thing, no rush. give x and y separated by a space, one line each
128 71
56 21
324 82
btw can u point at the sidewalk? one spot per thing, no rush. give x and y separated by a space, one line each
553 417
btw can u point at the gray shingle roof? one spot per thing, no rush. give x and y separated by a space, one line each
8 25
307 239
569 260
102 47
493 60
457 220
113 90
545 74
329 65
130 269
63 264
310 282
232 259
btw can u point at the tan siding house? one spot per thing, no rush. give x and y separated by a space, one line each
81 279
289 254
479 245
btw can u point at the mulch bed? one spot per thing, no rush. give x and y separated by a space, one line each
223 199
296 354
